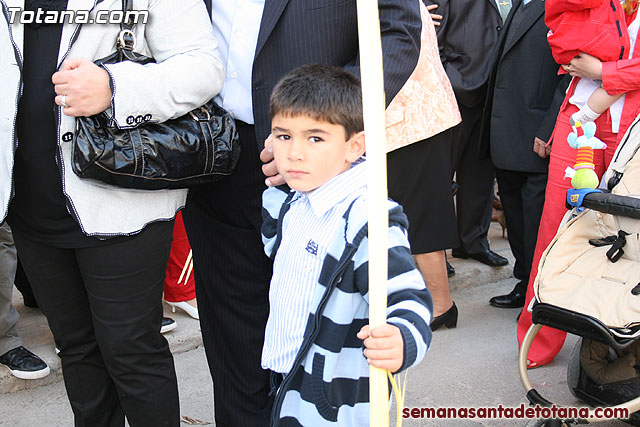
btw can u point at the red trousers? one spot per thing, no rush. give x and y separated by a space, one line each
549 341
174 291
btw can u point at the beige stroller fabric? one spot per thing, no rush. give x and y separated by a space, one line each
577 276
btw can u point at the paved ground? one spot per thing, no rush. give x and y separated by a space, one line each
472 365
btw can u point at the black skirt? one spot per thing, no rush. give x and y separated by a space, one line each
419 178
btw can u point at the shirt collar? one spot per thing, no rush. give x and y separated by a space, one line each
339 188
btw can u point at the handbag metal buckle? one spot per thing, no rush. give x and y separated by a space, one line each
126 40
196 114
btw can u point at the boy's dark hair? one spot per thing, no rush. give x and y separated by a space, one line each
322 92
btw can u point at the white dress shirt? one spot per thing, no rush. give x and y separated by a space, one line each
308 228
236 24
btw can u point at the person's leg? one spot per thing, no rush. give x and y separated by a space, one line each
23 285
232 276
549 341
9 338
419 180
602 158
511 184
433 268
124 283
474 198
21 362
57 283
532 194
522 195
179 284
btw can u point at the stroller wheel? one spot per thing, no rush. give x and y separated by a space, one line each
573 368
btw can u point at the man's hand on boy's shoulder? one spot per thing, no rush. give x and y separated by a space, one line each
269 168
384 346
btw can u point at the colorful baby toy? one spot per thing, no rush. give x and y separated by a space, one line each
583 138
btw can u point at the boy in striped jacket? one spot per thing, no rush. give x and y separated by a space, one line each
317 340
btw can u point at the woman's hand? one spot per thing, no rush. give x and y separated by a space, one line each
584 65
435 18
82 88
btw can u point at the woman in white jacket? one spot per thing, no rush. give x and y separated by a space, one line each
96 254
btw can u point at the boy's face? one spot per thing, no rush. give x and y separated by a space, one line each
309 152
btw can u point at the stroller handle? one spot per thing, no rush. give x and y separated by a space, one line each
613 204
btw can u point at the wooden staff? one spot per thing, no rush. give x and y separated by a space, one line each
374 125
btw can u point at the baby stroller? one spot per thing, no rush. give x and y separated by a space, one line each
589 285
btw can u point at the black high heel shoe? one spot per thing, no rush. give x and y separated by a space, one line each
449 319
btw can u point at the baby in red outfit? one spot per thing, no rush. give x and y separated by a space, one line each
593 27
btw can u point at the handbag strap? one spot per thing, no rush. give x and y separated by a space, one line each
126 40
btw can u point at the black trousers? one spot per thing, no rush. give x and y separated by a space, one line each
232 275
103 305
522 197
475 175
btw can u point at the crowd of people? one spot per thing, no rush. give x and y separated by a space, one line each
477 91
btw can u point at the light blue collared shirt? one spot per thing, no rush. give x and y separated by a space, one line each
236 24
307 229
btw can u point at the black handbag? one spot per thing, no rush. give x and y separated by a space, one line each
198 148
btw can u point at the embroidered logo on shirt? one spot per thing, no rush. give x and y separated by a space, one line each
312 247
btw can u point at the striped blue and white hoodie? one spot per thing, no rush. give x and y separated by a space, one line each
329 382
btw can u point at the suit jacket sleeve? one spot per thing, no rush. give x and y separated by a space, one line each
400 27
548 123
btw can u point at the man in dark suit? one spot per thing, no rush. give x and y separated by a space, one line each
524 98
467 38
259 43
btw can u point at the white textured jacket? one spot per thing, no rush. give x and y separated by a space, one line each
188 72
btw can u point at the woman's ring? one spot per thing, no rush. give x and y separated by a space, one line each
63 100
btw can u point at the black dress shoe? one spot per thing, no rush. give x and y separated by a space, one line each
24 364
450 270
487 257
514 299
449 319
